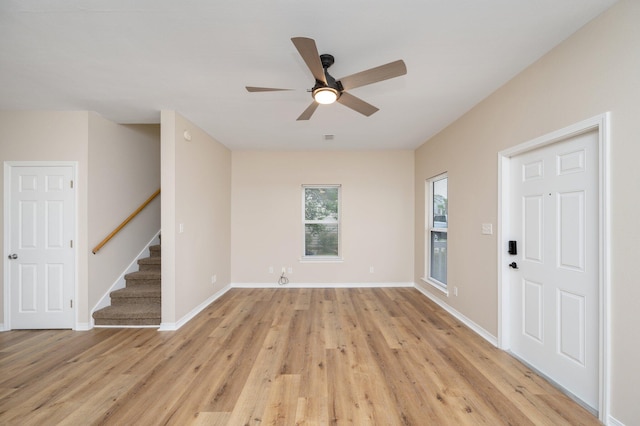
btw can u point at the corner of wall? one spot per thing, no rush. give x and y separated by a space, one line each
168 214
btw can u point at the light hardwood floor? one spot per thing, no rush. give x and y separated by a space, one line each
279 356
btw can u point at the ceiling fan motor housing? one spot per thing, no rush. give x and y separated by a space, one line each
327 60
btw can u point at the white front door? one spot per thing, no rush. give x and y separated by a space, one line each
41 259
555 288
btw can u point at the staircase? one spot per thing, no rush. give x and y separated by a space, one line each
139 302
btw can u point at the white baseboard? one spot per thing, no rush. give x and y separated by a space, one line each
320 285
466 321
172 326
83 326
2 327
120 282
611 421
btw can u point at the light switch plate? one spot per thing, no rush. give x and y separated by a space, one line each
487 229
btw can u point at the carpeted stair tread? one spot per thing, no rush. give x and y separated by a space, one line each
128 315
141 291
143 277
137 311
150 264
155 251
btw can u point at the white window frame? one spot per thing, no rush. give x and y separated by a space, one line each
320 258
429 229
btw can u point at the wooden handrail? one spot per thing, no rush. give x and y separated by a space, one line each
127 220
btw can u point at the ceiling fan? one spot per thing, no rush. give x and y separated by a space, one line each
327 89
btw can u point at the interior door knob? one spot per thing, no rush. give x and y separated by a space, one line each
513 265
13 256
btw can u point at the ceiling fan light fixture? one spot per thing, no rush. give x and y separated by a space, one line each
325 95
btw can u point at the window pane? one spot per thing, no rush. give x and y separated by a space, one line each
440 204
321 239
438 268
321 204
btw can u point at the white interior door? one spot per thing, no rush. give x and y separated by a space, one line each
555 288
41 258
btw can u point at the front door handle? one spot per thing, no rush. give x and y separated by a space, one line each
13 256
513 265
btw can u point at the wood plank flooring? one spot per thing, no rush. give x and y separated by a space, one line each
279 357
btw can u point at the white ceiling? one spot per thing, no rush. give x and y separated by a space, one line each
129 59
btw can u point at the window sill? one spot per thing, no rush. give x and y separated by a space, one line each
436 285
319 259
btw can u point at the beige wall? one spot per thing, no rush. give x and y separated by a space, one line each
124 170
377 215
594 71
196 185
51 136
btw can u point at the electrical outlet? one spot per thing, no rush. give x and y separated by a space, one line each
455 291
290 270
214 278
371 269
271 269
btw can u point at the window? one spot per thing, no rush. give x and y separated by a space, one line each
321 221
437 225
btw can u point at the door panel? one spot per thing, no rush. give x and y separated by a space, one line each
42 226
54 287
27 284
554 291
571 232
532 313
572 326
533 225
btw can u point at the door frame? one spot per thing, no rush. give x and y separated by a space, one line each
601 124
8 166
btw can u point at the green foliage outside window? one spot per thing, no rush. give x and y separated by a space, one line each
321 221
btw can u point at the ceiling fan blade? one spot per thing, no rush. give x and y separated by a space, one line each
308 112
263 89
309 52
373 75
356 104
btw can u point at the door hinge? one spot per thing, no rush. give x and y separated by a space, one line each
71 303
71 184
71 244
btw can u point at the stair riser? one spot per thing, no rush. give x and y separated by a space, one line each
143 267
121 301
132 283
143 275
129 322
